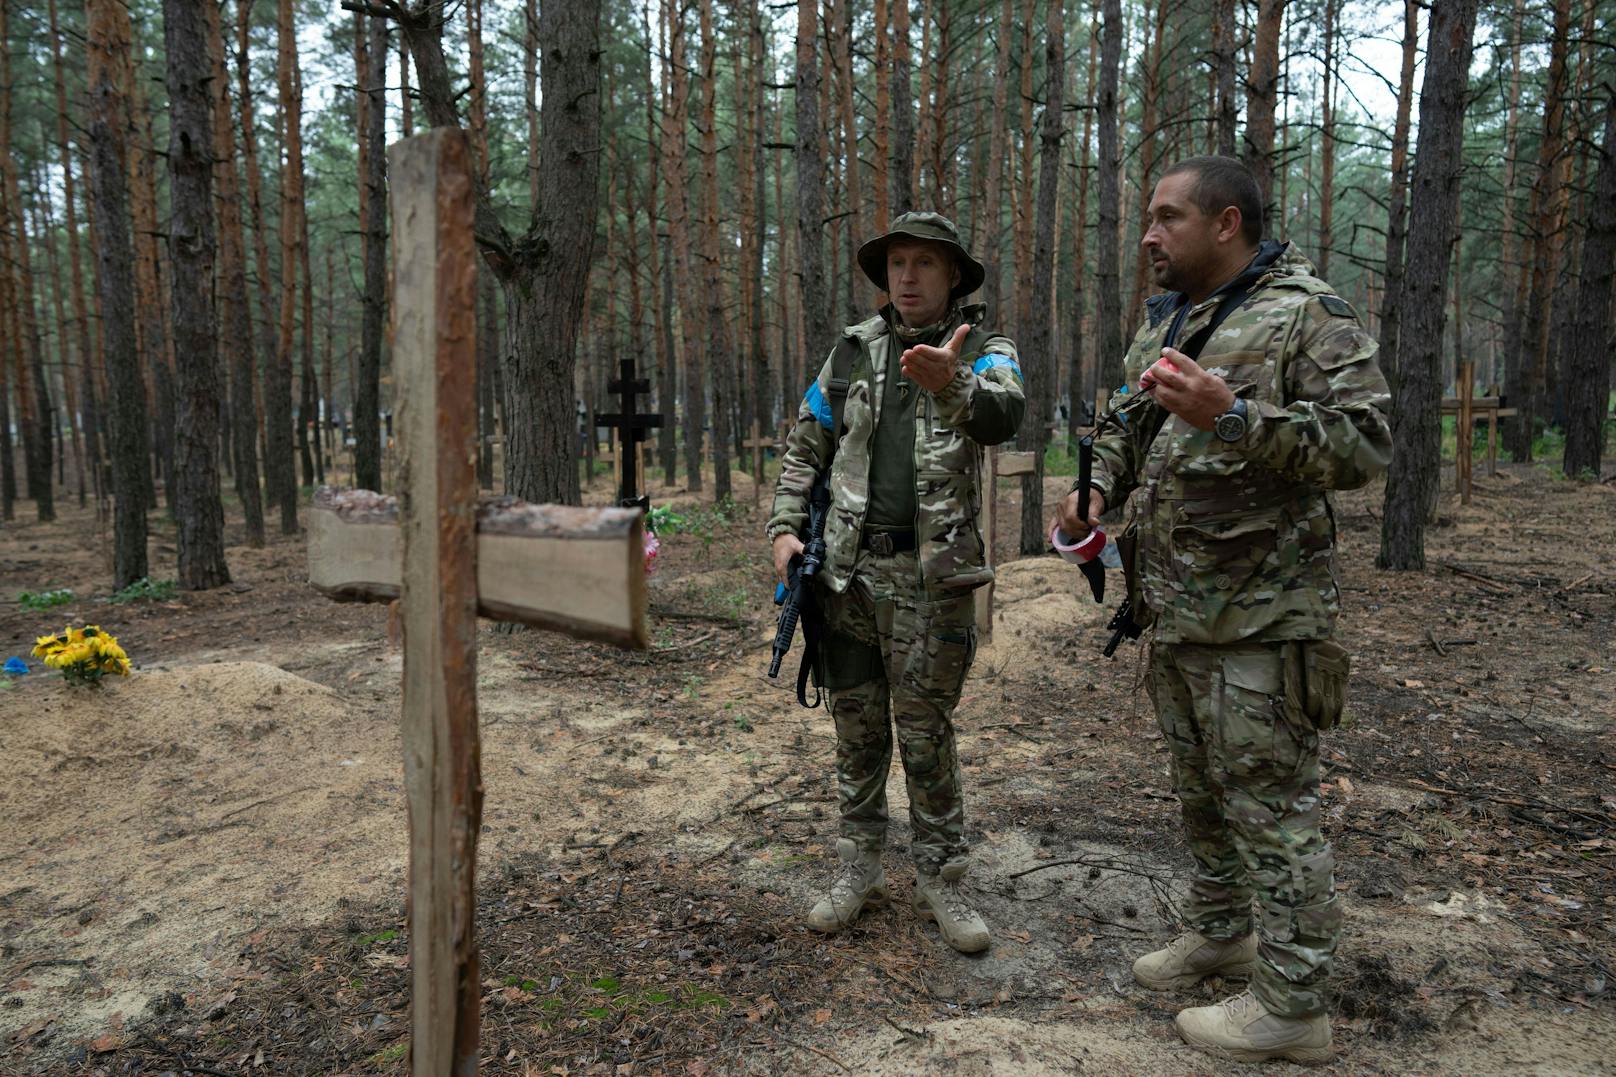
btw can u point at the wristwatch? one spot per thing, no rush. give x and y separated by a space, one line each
1231 425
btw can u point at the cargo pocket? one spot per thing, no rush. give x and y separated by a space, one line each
1260 740
1216 556
849 663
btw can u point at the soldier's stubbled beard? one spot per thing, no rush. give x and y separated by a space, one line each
1192 251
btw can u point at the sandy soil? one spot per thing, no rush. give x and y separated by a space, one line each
203 863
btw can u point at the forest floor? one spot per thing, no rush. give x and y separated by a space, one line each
202 865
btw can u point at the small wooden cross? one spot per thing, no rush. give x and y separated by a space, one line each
757 443
996 465
449 558
631 426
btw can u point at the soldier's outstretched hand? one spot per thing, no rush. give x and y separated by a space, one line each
932 368
1184 388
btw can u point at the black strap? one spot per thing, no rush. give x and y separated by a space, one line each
841 376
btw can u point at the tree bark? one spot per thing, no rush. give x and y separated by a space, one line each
1262 86
988 244
1438 165
279 417
367 422
33 397
1223 65
693 416
108 73
152 301
1023 205
811 179
883 112
1107 238
754 232
1151 93
720 357
1397 197
1321 259
197 508
1038 336
235 312
1080 386
541 272
1588 380
88 396
901 164
658 260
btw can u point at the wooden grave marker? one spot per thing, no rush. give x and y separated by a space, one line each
630 425
996 465
450 557
757 443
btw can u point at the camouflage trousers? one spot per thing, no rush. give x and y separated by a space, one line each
1246 770
895 657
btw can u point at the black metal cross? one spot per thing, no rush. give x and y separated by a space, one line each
631 425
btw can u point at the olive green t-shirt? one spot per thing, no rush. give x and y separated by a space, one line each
892 454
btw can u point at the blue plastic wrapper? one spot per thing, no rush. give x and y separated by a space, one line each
16 665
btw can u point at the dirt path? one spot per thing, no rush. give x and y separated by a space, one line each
203 864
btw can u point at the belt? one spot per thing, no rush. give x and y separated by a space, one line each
887 543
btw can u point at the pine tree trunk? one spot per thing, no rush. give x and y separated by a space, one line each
235 312
367 421
1039 335
197 507
1534 324
487 311
1588 370
1080 389
108 74
752 222
88 398
988 244
542 272
8 461
660 265
883 113
1416 468
1148 136
282 424
1024 211
720 357
1321 259
33 396
1107 233
151 296
811 180
901 164
1262 86
693 416
1397 197
1224 29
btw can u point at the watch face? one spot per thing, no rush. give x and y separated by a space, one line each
1230 426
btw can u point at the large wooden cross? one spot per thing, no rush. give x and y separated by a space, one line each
996 464
631 426
450 558
757 443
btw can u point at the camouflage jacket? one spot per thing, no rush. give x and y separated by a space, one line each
983 405
1237 540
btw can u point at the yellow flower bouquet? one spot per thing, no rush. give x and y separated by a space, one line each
84 655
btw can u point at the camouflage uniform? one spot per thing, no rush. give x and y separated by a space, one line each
901 627
1236 543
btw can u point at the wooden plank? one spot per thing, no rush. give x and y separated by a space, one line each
989 486
558 567
1451 404
434 334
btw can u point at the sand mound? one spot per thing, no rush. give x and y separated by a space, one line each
161 805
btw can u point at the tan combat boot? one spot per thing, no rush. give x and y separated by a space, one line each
859 881
937 897
1191 958
1241 1028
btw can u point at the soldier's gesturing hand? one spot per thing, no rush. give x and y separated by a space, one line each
932 368
1189 391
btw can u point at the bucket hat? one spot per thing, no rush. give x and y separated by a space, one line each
872 256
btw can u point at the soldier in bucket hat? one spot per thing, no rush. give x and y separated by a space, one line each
927 386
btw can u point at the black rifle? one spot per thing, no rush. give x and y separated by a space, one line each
796 597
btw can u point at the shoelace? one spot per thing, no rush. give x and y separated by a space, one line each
848 881
953 901
1236 1005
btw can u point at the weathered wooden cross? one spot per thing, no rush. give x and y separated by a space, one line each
996 465
450 558
631 426
757 443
